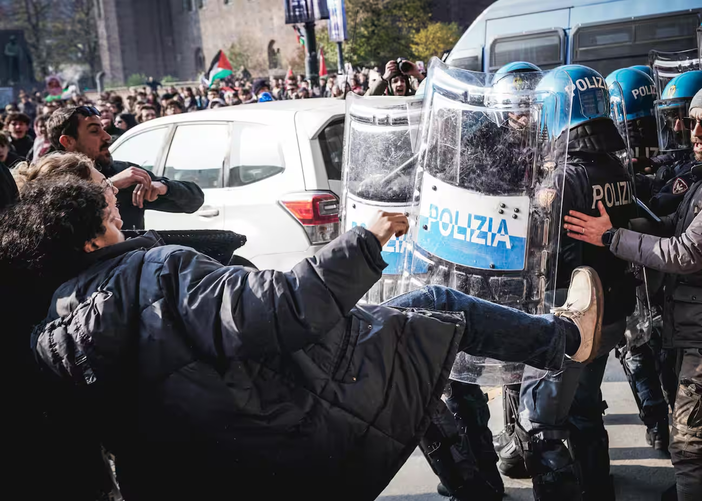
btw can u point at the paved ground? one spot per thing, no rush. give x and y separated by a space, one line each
640 473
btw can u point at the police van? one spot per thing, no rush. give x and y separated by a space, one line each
602 34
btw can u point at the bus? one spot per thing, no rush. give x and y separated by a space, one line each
602 34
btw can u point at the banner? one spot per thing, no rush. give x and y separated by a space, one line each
337 20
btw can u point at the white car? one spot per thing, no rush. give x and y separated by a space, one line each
269 171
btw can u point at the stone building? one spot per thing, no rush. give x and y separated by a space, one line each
180 37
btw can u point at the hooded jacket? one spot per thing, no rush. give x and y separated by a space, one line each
213 382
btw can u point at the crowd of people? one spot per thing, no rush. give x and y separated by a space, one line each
23 125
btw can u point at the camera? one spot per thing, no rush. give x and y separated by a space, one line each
404 65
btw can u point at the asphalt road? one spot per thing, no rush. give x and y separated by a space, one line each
640 473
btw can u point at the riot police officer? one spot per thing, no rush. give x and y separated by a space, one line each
639 357
675 177
569 405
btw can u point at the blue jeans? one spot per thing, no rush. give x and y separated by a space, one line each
496 331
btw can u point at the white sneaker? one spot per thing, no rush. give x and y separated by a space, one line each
584 306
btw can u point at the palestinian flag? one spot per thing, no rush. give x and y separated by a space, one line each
219 68
322 63
300 35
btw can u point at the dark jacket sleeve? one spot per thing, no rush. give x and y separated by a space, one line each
8 189
182 196
236 313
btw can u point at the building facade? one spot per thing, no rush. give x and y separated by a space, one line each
180 37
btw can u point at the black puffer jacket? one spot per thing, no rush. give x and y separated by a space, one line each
212 382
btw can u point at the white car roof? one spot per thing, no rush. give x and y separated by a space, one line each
310 114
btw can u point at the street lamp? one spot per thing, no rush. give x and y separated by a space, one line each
306 12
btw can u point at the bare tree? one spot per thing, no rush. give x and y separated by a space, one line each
35 17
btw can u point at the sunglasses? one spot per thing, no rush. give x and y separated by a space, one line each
88 111
690 122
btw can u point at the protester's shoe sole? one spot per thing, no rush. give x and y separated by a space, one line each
584 307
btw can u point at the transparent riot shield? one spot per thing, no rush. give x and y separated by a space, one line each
488 186
668 65
378 172
640 322
699 44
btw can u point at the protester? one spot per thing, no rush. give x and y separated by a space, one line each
394 81
147 112
191 400
173 107
18 126
125 121
107 119
8 156
41 143
26 106
80 130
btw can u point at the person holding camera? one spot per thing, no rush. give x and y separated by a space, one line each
396 79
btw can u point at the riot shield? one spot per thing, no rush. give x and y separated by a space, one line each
639 324
378 171
668 65
488 216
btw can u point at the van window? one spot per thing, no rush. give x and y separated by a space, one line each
256 155
607 47
331 140
198 153
142 149
544 49
468 61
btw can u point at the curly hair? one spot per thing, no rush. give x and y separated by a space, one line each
46 232
53 164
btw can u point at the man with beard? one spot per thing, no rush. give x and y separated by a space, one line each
680 256
79 130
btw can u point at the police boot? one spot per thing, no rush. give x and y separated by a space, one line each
658 436
555 476
511 462
469 406
591 451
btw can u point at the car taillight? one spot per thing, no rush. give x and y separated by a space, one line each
318 213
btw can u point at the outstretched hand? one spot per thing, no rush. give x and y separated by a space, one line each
387 225
588 228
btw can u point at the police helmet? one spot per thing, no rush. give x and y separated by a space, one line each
671 109
511 93
589 92
645 68
517 67
639 93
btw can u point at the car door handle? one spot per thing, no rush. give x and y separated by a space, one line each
208 213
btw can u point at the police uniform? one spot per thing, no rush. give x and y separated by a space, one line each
569 405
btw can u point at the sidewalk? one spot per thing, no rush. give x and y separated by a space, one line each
640 473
